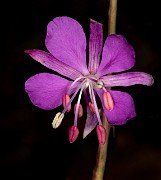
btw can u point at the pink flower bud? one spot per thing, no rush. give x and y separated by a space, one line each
73 134
101 134
91 107
66 99
80 110
108 101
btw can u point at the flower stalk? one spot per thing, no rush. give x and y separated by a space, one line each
98 172
112 12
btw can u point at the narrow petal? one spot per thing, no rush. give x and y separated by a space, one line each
46 90
128 79
91 120
49 61
118 55
124 108
95 46
90 124
66 41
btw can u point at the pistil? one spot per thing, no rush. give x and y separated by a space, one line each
77 105
57 120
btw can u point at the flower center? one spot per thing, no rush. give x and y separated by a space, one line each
88 83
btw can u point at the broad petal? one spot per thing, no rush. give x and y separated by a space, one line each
124 108
128 79
95 45
46 90
118 55
66 41
49 61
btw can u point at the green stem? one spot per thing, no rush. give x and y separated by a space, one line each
98 172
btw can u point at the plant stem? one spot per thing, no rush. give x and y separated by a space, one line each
112 17
98 172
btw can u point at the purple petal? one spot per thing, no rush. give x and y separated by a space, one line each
95 46
128 79
118 55
66 41
124 108
90 124
49 61
46 90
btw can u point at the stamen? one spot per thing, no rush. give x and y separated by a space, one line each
69 103
91 91
59 116
73 134
77 106
108 101
80 110
91 107
57 120
66 99
101 134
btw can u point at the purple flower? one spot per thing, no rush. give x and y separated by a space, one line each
66 43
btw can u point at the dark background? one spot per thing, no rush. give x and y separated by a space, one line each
29 146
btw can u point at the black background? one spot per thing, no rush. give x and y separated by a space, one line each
29 146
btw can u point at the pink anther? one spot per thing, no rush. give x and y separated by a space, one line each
80 110
66 99
73 134
108 101
101 134
91 107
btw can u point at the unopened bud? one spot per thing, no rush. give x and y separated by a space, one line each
108 101
57 120
66 99
101 134
73 134
80 110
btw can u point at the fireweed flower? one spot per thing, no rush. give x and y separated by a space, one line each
66 43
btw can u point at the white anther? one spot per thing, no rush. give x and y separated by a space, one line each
57 120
